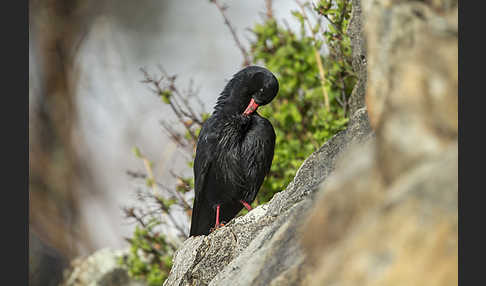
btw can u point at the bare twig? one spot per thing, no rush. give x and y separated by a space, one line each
246 56
139 218
130 213
268 4
182 201
181 115
191 114
148 168
169 214
201 103
173 135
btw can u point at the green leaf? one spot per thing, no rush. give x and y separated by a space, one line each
137 152
166 95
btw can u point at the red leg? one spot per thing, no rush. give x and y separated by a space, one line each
247 206
217 216
217 225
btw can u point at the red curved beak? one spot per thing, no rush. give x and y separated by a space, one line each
252 106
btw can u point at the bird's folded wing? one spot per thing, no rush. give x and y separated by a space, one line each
202 163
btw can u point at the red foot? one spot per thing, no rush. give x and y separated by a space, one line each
216 226
247 206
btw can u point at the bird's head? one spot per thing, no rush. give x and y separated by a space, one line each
262 87
249 88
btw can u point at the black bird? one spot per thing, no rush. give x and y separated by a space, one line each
234 151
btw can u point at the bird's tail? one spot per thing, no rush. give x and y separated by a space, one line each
203 217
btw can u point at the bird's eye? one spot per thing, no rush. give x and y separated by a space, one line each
261 89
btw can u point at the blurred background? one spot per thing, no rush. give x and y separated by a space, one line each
88 108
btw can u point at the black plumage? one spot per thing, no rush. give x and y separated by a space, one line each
234 151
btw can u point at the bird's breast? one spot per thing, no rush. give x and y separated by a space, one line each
245 150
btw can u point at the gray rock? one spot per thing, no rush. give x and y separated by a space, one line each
358 45
367 233
99 269
274 251
388 213
412 96
321 163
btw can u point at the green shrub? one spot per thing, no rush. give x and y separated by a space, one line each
150 256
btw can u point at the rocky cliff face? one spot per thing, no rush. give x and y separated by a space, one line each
364 209
388 214
376 204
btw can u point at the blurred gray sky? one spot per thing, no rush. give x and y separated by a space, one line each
116 110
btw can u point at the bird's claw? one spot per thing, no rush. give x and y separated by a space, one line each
216 227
